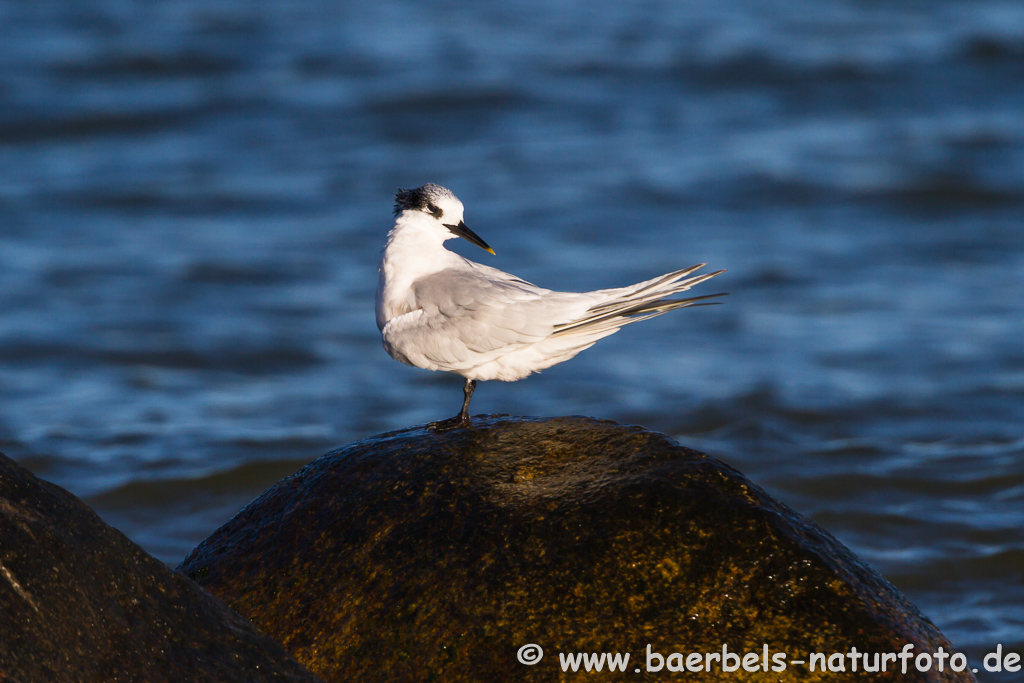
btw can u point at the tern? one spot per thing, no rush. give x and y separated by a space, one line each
439 311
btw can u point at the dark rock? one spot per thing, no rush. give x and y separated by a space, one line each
80 602
417 556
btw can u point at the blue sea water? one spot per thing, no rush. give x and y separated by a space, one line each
193 196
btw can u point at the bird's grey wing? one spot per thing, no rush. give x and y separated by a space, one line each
485 310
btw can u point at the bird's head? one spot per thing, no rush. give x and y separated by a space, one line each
442 212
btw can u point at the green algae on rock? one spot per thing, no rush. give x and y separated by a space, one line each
435 557
80 602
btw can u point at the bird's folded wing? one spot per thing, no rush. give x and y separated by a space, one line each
487 310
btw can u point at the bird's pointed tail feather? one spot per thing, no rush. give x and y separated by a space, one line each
642 301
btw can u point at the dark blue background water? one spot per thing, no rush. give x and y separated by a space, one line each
193 196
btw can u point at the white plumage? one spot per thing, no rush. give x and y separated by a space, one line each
440 311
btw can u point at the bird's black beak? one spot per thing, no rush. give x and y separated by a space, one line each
463 231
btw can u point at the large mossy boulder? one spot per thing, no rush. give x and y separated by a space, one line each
79 603
415 556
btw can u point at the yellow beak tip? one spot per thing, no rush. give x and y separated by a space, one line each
492 252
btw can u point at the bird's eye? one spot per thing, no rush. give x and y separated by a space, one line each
434 211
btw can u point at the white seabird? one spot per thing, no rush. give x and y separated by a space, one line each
440 311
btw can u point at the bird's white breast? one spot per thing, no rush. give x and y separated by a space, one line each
410 253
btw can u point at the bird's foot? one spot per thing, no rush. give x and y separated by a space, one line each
457 422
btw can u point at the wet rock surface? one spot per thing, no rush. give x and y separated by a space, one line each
80 602
421 556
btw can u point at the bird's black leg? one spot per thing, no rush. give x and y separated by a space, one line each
462 419
467 390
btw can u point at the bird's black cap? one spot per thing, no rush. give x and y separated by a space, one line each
420 198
